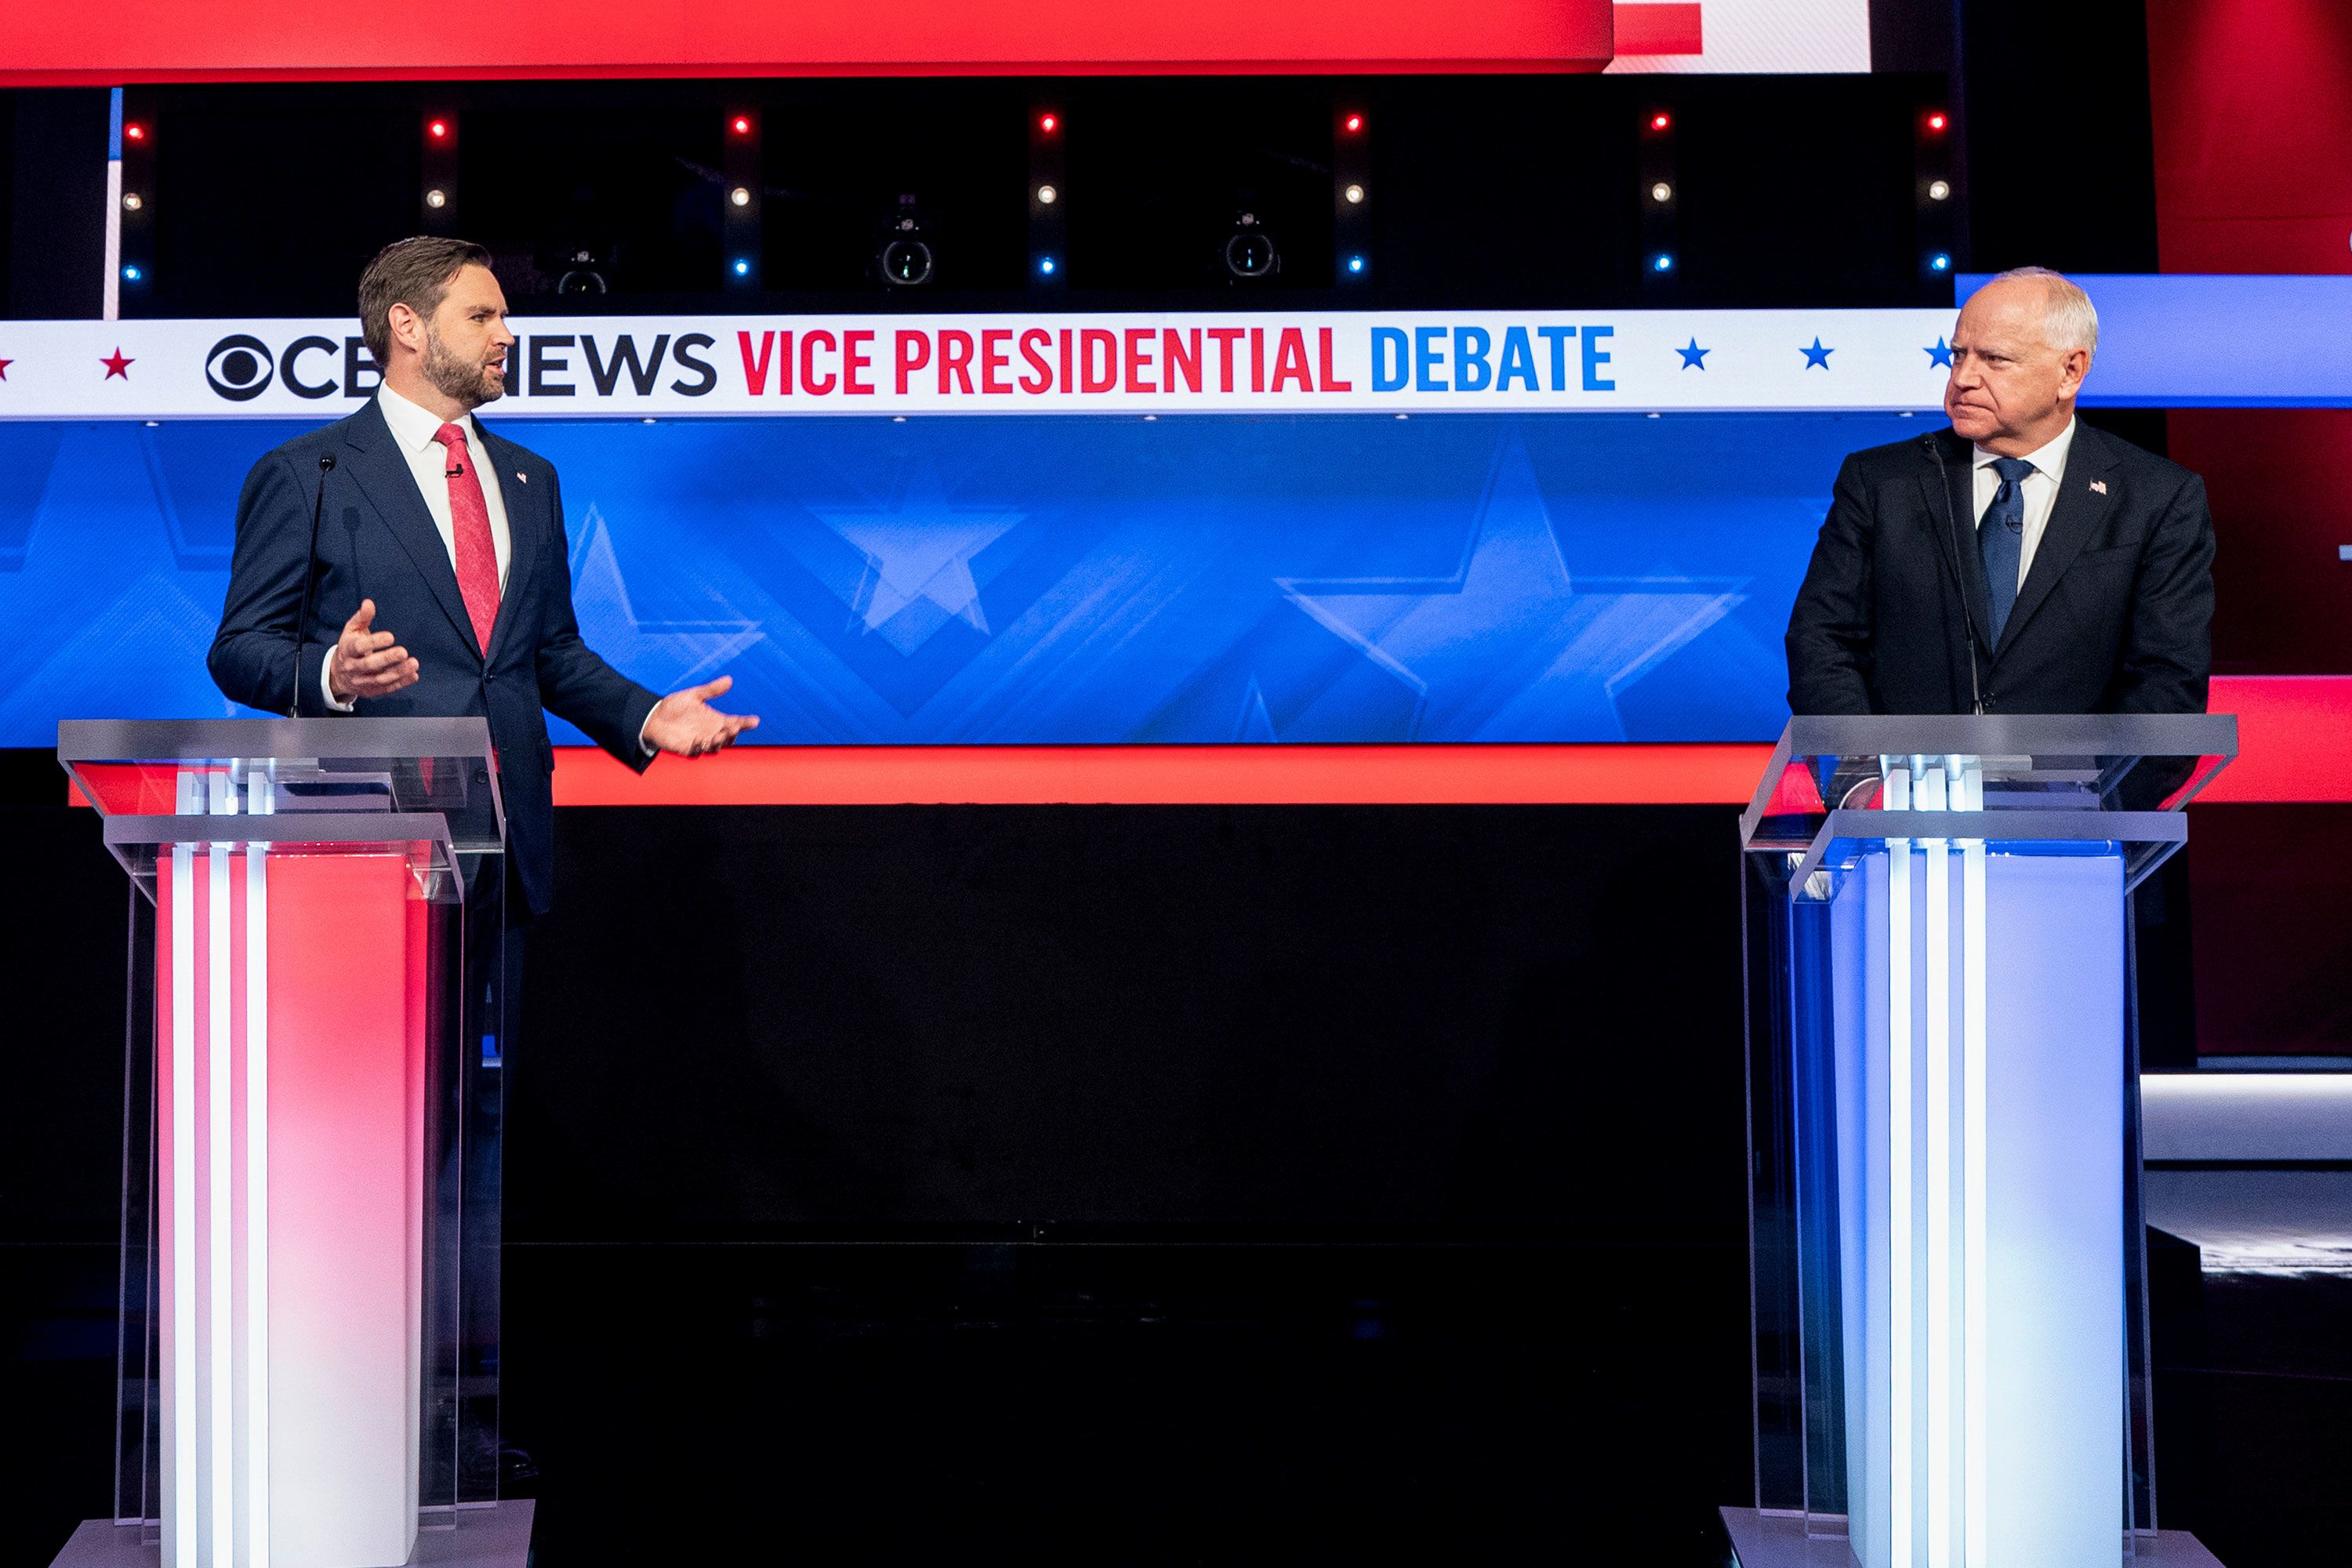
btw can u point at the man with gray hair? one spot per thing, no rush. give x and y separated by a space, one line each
2019 562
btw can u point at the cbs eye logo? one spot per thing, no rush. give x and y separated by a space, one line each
240 367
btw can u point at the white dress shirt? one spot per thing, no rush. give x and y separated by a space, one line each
413 430
2041 488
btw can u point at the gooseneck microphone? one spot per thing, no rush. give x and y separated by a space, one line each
1960 578
310 577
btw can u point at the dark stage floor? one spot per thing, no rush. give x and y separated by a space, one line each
1495 1402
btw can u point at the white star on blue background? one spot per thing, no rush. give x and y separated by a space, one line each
1508 644
919 559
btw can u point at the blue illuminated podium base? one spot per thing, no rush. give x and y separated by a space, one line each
1779 1540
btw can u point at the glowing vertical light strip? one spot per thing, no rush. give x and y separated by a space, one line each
110 298
219 1197
256 1198
1975 1359
1934 796
181 1527
1897 797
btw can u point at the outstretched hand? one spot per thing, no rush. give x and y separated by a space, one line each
367 663
686 722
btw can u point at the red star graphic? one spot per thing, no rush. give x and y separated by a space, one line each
117 365
4 363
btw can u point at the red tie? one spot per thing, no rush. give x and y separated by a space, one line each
469 520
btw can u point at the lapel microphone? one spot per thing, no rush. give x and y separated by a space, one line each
1960 578
309 578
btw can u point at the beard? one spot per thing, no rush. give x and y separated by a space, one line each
470 382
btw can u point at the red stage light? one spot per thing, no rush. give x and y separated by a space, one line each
438 129
1661 121
1355 122
1936 122
1048 122
134 134
741 125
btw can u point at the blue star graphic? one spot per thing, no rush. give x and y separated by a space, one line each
1509 646
663 654
1941 354
1694 357
918 560
1817 355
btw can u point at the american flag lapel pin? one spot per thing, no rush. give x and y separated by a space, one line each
526 479
2098 487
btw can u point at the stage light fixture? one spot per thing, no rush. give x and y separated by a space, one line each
1662 122
1049 123
131 275
740 196
905 259
134 134
1939 190
1355 264
1250 253
583 272
741 125
743 267
1045 265
438 129
1939 262
1662 191
132 202
1937 120
437 199
1355 195
1047 196
1662 262
1354 122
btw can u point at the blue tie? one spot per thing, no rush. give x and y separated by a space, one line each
2001 538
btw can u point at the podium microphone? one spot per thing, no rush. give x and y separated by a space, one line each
310 575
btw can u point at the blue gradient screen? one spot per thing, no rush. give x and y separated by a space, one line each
1047 580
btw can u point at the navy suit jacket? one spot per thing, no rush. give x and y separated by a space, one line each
377 540
2114 616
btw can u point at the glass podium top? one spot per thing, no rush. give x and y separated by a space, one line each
324 785
1836 785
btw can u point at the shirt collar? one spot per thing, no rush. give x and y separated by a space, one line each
2049 459
412 426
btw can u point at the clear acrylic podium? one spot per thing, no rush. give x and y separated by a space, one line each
1950 1344
308 1354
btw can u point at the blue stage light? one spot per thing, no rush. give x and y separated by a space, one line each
1939 262
1355 264
1662 262
1046 266
742 268
131 275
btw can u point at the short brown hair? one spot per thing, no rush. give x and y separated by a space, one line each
413 272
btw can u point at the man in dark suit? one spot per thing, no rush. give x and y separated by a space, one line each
443 583
2019 562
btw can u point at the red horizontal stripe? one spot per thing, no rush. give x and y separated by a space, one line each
2295 739
1171 775
1657 30
177 40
